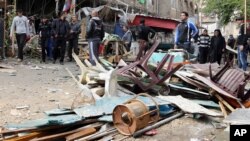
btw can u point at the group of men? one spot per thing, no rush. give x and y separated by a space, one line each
58 31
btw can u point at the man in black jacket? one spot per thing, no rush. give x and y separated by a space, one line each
75 30
45 34
95 34
143 33
61 31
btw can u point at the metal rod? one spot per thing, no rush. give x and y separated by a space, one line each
245 19
158 124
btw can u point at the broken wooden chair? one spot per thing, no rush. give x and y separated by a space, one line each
130 71
232 81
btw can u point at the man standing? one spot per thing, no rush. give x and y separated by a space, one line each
231 43
184 32
95 34
127 37
143 33
242 47
75 30
203 43
61 30
45 35
21 25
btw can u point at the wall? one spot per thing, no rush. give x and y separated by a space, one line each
173 8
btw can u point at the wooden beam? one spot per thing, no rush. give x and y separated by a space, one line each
83 133
223 109
28 137
64 134
224 102
35 129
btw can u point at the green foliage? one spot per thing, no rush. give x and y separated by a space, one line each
226 9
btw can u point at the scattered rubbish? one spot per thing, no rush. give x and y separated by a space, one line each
108 102
54 90
15 112
36 68
151 132
22 107
12 74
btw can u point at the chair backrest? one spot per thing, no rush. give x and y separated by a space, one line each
231 79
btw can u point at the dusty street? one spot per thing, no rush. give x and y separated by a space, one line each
36 87
33 89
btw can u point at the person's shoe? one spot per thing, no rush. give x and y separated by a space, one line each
69 60
61 62
19 60
54 61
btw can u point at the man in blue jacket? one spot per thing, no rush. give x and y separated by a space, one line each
184 32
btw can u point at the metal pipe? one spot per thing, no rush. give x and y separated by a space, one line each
245 19
158 124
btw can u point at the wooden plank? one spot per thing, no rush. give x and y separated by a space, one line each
35 129
27 137
83 133
223 101
223 109
83 68
61 135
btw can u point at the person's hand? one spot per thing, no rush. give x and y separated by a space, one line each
71 31
241 47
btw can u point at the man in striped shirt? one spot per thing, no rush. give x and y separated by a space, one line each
203 43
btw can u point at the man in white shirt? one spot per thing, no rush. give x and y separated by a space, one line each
20 25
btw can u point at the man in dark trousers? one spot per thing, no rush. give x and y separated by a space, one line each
231 43
75 30
45 35
184 32
61 32
203 43
20 25
95 34
143 33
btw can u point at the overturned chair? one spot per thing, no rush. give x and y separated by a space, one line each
231 81
154 77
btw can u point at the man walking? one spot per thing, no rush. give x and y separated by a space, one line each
127 37
231 43
45 35
61 31
203 43
75 30
95 34
21 26
184 32
143 33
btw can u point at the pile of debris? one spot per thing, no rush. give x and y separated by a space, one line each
136 98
